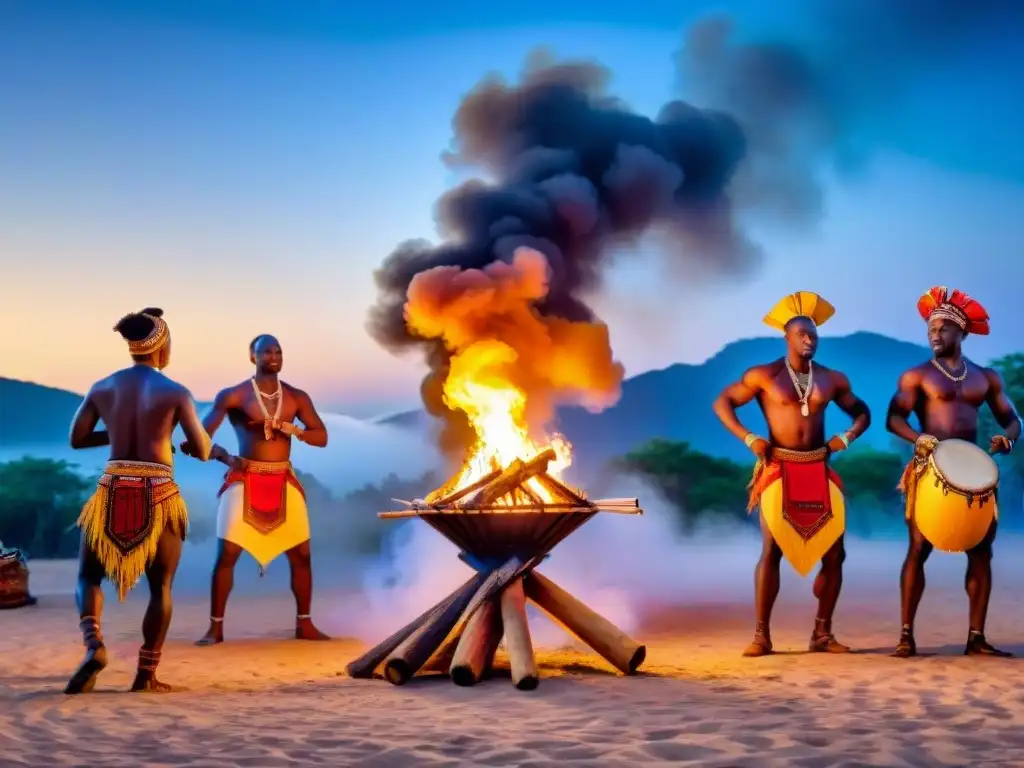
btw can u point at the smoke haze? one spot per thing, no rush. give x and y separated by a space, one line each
570 171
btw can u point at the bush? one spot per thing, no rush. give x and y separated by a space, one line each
703 487
350 524
40 500
698 485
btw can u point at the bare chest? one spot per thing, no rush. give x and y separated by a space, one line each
258 408
818 389
972 390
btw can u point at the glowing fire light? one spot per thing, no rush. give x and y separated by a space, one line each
510 365
496 409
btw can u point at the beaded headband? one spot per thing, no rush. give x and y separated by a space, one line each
952 313
156 338
956 307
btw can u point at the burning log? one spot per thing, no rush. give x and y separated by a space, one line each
621 651
477 645
517 637
517 473
559 490
454 496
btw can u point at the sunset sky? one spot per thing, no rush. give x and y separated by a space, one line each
245 166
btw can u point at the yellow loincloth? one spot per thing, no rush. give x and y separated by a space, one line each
257 525
122 522
803 548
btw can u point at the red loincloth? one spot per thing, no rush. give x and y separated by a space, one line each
134 504
807 501
265 494
129 513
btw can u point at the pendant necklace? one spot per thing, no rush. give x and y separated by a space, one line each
802 392
268 420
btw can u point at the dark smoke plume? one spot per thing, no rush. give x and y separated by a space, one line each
574 174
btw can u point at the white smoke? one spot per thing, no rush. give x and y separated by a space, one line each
619 565
631 568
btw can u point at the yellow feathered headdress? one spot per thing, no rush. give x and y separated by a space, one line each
799 304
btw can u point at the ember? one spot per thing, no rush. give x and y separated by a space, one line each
505 523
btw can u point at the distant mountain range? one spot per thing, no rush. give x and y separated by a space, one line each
36 415
673 403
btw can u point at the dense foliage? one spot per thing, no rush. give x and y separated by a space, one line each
701 487
40 500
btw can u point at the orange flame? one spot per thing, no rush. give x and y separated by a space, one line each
510 365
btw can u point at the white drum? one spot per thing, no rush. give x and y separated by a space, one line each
966 467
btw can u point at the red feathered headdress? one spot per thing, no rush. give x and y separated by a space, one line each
955 306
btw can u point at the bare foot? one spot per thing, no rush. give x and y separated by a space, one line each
84 679
146 682
306 630
759 646
213 636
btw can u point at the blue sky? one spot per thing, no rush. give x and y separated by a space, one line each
246 165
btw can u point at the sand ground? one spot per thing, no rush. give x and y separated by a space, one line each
265 700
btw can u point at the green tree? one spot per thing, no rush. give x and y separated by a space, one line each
698 485
350 524
40 499
870 478
870 473
1011 370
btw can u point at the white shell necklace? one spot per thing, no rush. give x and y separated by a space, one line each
268 420
802 392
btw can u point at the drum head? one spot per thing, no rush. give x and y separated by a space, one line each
966 466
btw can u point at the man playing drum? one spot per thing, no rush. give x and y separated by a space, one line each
950 484
803 514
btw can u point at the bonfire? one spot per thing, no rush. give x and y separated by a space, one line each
506 509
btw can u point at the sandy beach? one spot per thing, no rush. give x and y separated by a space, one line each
262 699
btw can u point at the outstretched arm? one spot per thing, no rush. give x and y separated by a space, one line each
1002 407
902 405
853 407
224 401
83 426
315 433
736 395
197 440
